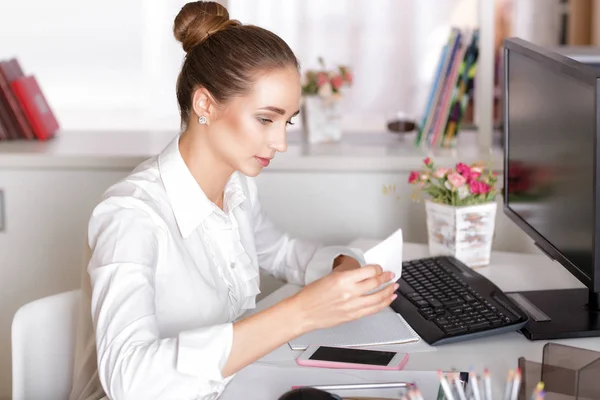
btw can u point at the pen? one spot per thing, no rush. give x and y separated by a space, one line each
350 386
418 394
445 386
509 381
487 384
516 385
411 394
541 395
459 387
474 386
538 389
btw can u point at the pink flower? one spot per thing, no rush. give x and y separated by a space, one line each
441 172
349 77
427 161
322 79
456 179
463 169
337 82
473 176
413 177
471 173
478 187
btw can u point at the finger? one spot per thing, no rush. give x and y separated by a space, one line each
359 274
369 300
374 282
381 296
373 309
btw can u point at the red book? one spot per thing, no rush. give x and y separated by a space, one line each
10 102
36 107
12 69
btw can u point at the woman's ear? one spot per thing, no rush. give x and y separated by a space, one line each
203 105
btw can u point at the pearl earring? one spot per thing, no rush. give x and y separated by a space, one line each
202 120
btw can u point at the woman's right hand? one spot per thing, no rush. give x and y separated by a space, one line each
342 296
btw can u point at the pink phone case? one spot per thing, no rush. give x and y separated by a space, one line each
341 365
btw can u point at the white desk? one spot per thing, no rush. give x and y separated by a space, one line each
510 272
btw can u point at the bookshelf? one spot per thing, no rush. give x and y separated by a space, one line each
470 47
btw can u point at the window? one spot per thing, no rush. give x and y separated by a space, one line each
113 64
392 45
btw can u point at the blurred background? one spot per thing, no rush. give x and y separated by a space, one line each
107 71
112 64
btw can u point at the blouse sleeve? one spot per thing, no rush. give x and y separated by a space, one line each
293 260
134 361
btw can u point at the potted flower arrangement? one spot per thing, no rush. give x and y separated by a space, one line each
461 210
322 91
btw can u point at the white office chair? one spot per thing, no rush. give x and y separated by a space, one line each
43 347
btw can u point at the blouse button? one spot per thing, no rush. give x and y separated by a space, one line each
232 265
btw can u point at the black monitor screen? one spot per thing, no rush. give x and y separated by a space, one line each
550 156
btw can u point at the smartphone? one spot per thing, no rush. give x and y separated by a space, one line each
350 358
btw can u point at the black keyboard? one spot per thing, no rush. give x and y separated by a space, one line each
445 301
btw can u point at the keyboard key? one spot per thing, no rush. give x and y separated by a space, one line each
479 325
421 303
435 303
468 298
452 302
428 313
456 329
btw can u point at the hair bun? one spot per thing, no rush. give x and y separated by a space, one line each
198 20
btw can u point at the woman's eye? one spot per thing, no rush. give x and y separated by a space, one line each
264 121
289 122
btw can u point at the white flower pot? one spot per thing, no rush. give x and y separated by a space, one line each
463 232
321 119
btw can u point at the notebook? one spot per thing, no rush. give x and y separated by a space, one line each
385 327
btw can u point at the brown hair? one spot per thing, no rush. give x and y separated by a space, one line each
223 55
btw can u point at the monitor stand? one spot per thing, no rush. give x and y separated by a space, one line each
559 314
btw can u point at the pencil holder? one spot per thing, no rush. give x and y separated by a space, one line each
567 373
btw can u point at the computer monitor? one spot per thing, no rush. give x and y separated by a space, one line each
552 180
589 55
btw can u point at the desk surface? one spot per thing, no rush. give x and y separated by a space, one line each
510 272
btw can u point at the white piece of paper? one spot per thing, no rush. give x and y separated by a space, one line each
388 254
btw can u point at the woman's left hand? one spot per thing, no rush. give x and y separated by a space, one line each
345 263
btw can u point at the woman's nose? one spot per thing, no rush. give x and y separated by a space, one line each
279 141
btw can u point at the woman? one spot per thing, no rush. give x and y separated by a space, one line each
175 247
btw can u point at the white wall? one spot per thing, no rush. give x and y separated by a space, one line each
113 64
98 59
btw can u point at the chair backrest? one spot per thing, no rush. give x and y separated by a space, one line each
43 347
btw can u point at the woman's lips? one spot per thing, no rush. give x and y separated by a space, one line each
263 161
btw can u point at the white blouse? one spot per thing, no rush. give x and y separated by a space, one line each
168 274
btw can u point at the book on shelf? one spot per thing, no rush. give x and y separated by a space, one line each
24 111
450 90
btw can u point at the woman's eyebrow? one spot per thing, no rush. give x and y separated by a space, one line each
278 110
